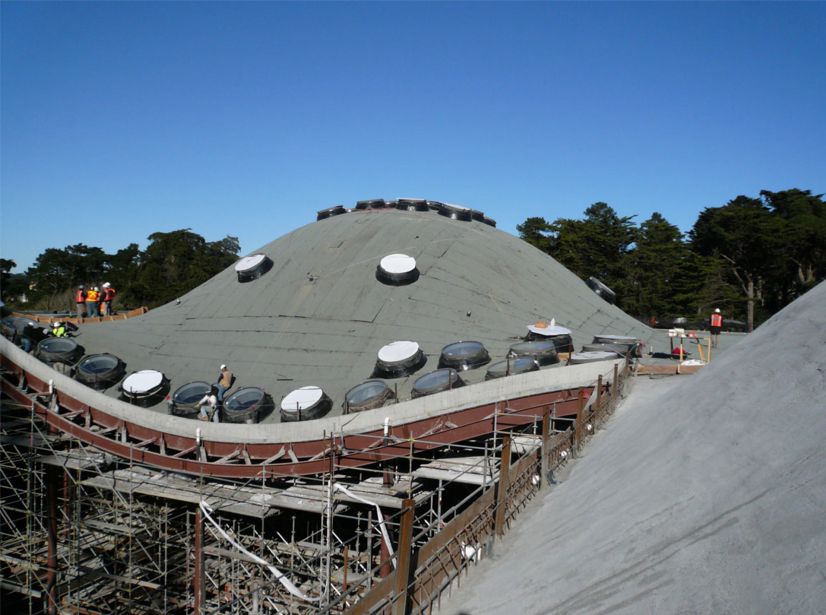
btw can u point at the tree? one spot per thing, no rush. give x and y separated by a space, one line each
12 286
745 235
660 270
802 217
596 246
176 262
537 232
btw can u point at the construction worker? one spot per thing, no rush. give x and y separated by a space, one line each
80 303
92 302
108 295
208 406
224 382
59 330
716 321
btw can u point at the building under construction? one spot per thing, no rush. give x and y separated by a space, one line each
369 451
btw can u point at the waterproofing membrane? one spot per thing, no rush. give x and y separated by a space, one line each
319 316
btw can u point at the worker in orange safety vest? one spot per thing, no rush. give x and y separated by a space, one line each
716 326
92 302
108 296
80 302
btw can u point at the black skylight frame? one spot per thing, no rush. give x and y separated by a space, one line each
250 275
601 289
368 395
511 366
246 405
436 382
316 411
542 351
412 205
455 213
563 342
183 402
330 212
100 371
464 355
371 204
146 398
397 369
58 350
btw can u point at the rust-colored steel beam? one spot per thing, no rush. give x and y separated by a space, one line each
157 448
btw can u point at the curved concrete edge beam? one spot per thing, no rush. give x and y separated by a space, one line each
489 392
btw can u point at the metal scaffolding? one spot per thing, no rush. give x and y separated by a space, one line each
86 532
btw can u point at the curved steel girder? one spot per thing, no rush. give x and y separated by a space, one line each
132 442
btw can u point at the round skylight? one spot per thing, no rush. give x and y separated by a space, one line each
99 370
509 367
464 355
399 359
58 350
436 381
183 400
542 351
397 269
367 395
142 382
305 403
252 267
246 405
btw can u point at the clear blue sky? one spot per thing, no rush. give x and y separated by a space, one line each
122 119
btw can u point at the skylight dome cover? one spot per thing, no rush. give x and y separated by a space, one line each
397 270
100 371
143 387
305 404
367 395
436 382
397 359
464 355
184 399
591 357
511 366
246 405
542 351
252 267
58 350
549 330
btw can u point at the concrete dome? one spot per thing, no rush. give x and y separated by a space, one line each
319 316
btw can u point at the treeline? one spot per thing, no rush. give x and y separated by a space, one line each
749 257
171 265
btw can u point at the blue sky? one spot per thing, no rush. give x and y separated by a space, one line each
122 119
